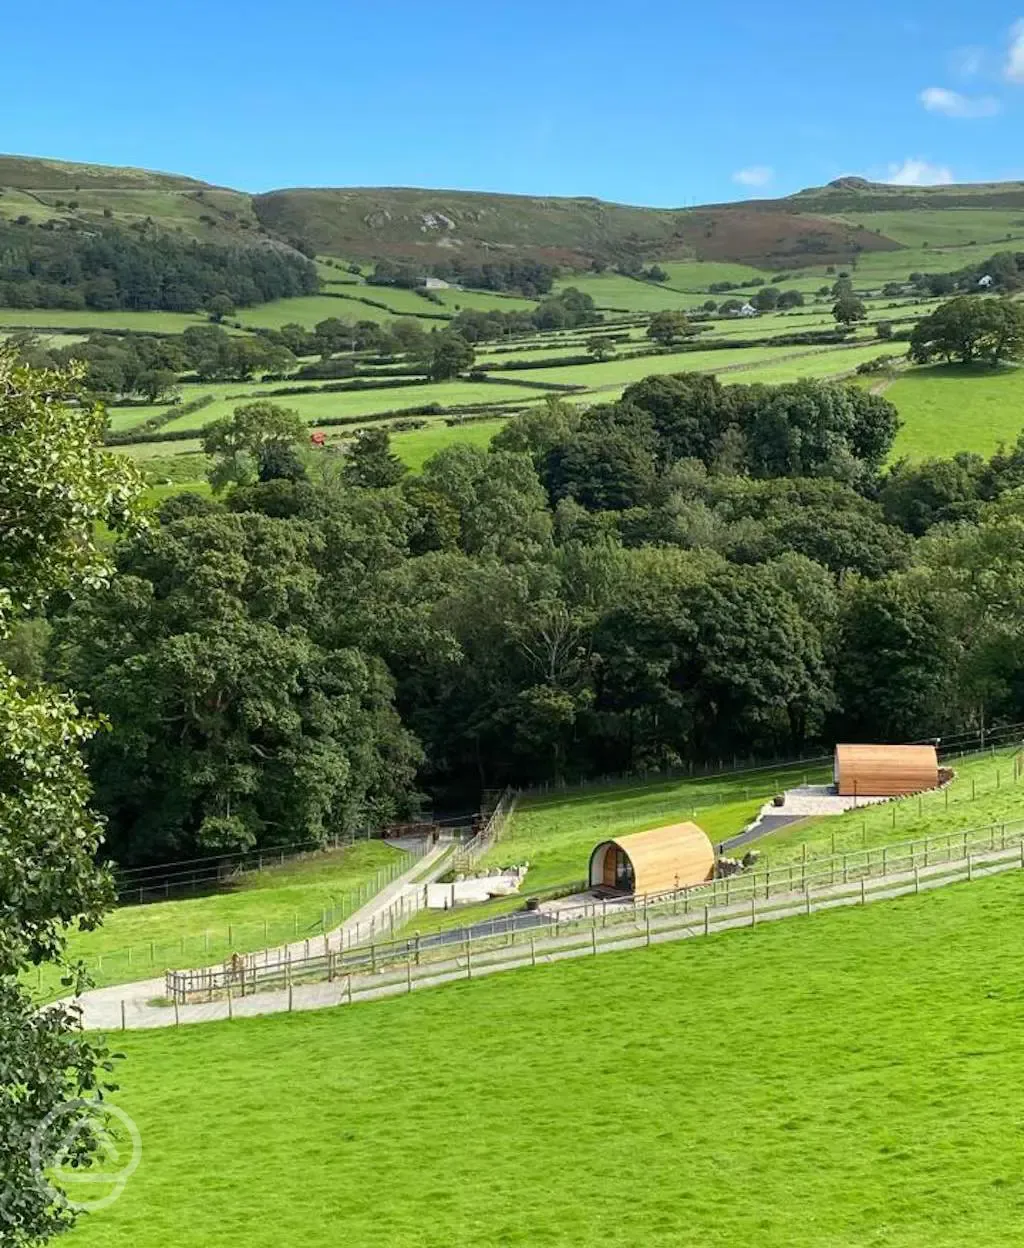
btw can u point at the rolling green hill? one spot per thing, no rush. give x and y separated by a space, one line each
835 224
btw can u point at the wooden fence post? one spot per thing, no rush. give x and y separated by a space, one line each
753 910
917 879
707 920
469 959
231 1012
533 945
970 868
408 974
593 934
123 1027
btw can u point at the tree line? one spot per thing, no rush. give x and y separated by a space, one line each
108 268
692 572
529 278
569 309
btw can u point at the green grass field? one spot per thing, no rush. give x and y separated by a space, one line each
833 362
315 406
280 904
416 446
622 372
556 833
89 321
697 275
615 293
845 1079
945 227
946 409
986 791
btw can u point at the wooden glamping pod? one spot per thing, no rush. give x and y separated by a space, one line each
653 862
885 770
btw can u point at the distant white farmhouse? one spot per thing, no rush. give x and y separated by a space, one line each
986 281
748 309
436 283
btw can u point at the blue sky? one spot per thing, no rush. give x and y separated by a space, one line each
666 102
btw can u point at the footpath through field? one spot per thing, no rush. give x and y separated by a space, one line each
364 977
106 1008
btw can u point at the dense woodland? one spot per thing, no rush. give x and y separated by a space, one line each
74 266
694 572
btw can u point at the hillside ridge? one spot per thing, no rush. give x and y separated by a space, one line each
428 225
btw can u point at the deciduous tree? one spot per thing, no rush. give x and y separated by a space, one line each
56 483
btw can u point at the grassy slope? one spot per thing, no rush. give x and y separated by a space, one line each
946 409
89 321
290 899
749 364
313 407
985 792
842 1080
613 291
416 446
949 227
820 364
556 834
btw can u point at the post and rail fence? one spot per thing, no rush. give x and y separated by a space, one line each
799 886
472 850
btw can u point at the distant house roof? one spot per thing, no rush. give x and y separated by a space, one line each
748 309
986 280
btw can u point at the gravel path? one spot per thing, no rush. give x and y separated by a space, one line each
141 1004
102 1009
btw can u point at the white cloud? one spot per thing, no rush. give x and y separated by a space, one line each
953 104
755 175
916 172
1015 60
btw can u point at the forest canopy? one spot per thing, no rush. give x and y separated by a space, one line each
110 268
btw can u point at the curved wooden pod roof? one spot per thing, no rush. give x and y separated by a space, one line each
663 859
885 770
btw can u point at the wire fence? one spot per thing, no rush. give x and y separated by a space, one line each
878 822
213 943
859 876
967 741
194 875
467 854
870 832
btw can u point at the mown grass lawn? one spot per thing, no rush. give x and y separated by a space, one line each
845 1079
946 408
281 904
